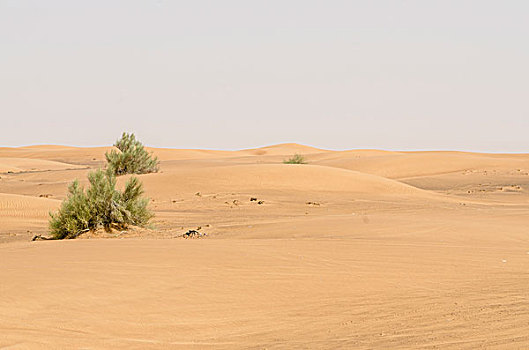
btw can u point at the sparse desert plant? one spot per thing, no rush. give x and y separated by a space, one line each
296 159
101 205
132 158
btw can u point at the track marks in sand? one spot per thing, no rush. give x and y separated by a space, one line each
277 294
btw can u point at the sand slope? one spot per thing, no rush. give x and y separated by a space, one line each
398 165
359 249
24 164
250 294
273 177
21 215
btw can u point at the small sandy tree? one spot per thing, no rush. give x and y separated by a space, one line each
295 159
132 158
101 205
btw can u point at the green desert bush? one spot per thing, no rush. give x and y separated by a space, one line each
101 205
132 158
296 159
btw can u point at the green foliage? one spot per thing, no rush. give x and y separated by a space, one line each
132 158
101 205
295 159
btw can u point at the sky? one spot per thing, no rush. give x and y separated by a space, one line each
234 74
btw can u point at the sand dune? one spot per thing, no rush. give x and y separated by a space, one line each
70 155
24 164
22 206
21 215
273 177
397 165
283 149
358 249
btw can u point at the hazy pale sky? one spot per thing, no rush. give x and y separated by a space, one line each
445 74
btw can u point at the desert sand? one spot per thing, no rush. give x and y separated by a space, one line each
358 249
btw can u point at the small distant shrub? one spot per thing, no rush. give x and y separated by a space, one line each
101 205
132 157
295 159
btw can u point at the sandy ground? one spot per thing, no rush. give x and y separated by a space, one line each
355 250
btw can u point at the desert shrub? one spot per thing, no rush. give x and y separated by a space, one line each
296 159
132 158
101 205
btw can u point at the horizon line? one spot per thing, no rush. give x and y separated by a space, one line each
283 144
